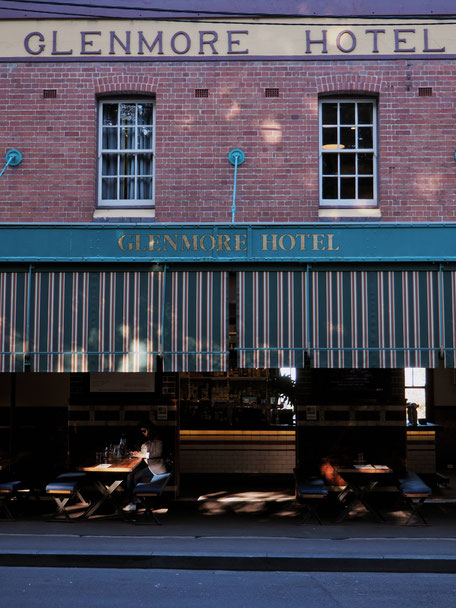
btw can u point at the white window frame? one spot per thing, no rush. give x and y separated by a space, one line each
343 202
414 384
124 203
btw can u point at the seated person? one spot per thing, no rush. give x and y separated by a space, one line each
152 453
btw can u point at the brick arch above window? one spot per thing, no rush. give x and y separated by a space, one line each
126 85
349 83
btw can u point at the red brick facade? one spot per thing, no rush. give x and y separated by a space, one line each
279 180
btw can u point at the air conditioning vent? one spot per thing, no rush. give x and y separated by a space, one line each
49 93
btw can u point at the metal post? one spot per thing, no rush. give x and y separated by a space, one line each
236 158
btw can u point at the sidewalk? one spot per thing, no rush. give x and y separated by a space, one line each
260 532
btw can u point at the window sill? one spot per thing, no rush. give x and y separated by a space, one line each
125 212
356 213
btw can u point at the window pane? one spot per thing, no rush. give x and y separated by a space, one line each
347 113
145 114
415 376
126 188
127 164
145 164
109 189
127 113
347 187
347 164
366 187
416 395
109 141
365 164
145 138
347 138
144 188
330 137
110 114
329 111
127 138
330 164
408 376
365 113
330 187
109 164
365 138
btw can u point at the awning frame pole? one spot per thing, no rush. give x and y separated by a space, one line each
162 328
441 319
27 361
308 348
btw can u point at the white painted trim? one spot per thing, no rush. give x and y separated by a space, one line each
354 213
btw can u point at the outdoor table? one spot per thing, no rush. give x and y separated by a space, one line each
7 461
361 481
117 468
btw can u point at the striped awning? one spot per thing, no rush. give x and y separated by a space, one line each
271 321
195 330
95 321
13 320
342 319
375 319
121 321
448 287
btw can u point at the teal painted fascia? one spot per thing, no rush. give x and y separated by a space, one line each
228 243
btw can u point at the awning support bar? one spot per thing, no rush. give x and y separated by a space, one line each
236 158
441 320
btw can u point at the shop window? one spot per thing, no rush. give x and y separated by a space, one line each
348 144
415 388
126 153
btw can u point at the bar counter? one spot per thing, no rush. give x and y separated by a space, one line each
267 451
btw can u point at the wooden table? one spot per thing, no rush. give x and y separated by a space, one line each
106 487
361 480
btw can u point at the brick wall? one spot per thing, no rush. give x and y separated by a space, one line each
278 182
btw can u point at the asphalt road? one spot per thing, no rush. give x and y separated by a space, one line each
111 588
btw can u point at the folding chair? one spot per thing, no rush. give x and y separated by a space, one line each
310 491
415 492
148 495
8 491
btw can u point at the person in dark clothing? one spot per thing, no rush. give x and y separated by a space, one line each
151 451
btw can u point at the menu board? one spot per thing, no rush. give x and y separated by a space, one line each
358 384
110 382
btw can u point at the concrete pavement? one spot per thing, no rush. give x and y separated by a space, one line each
242 533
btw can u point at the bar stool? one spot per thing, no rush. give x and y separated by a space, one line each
63 490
